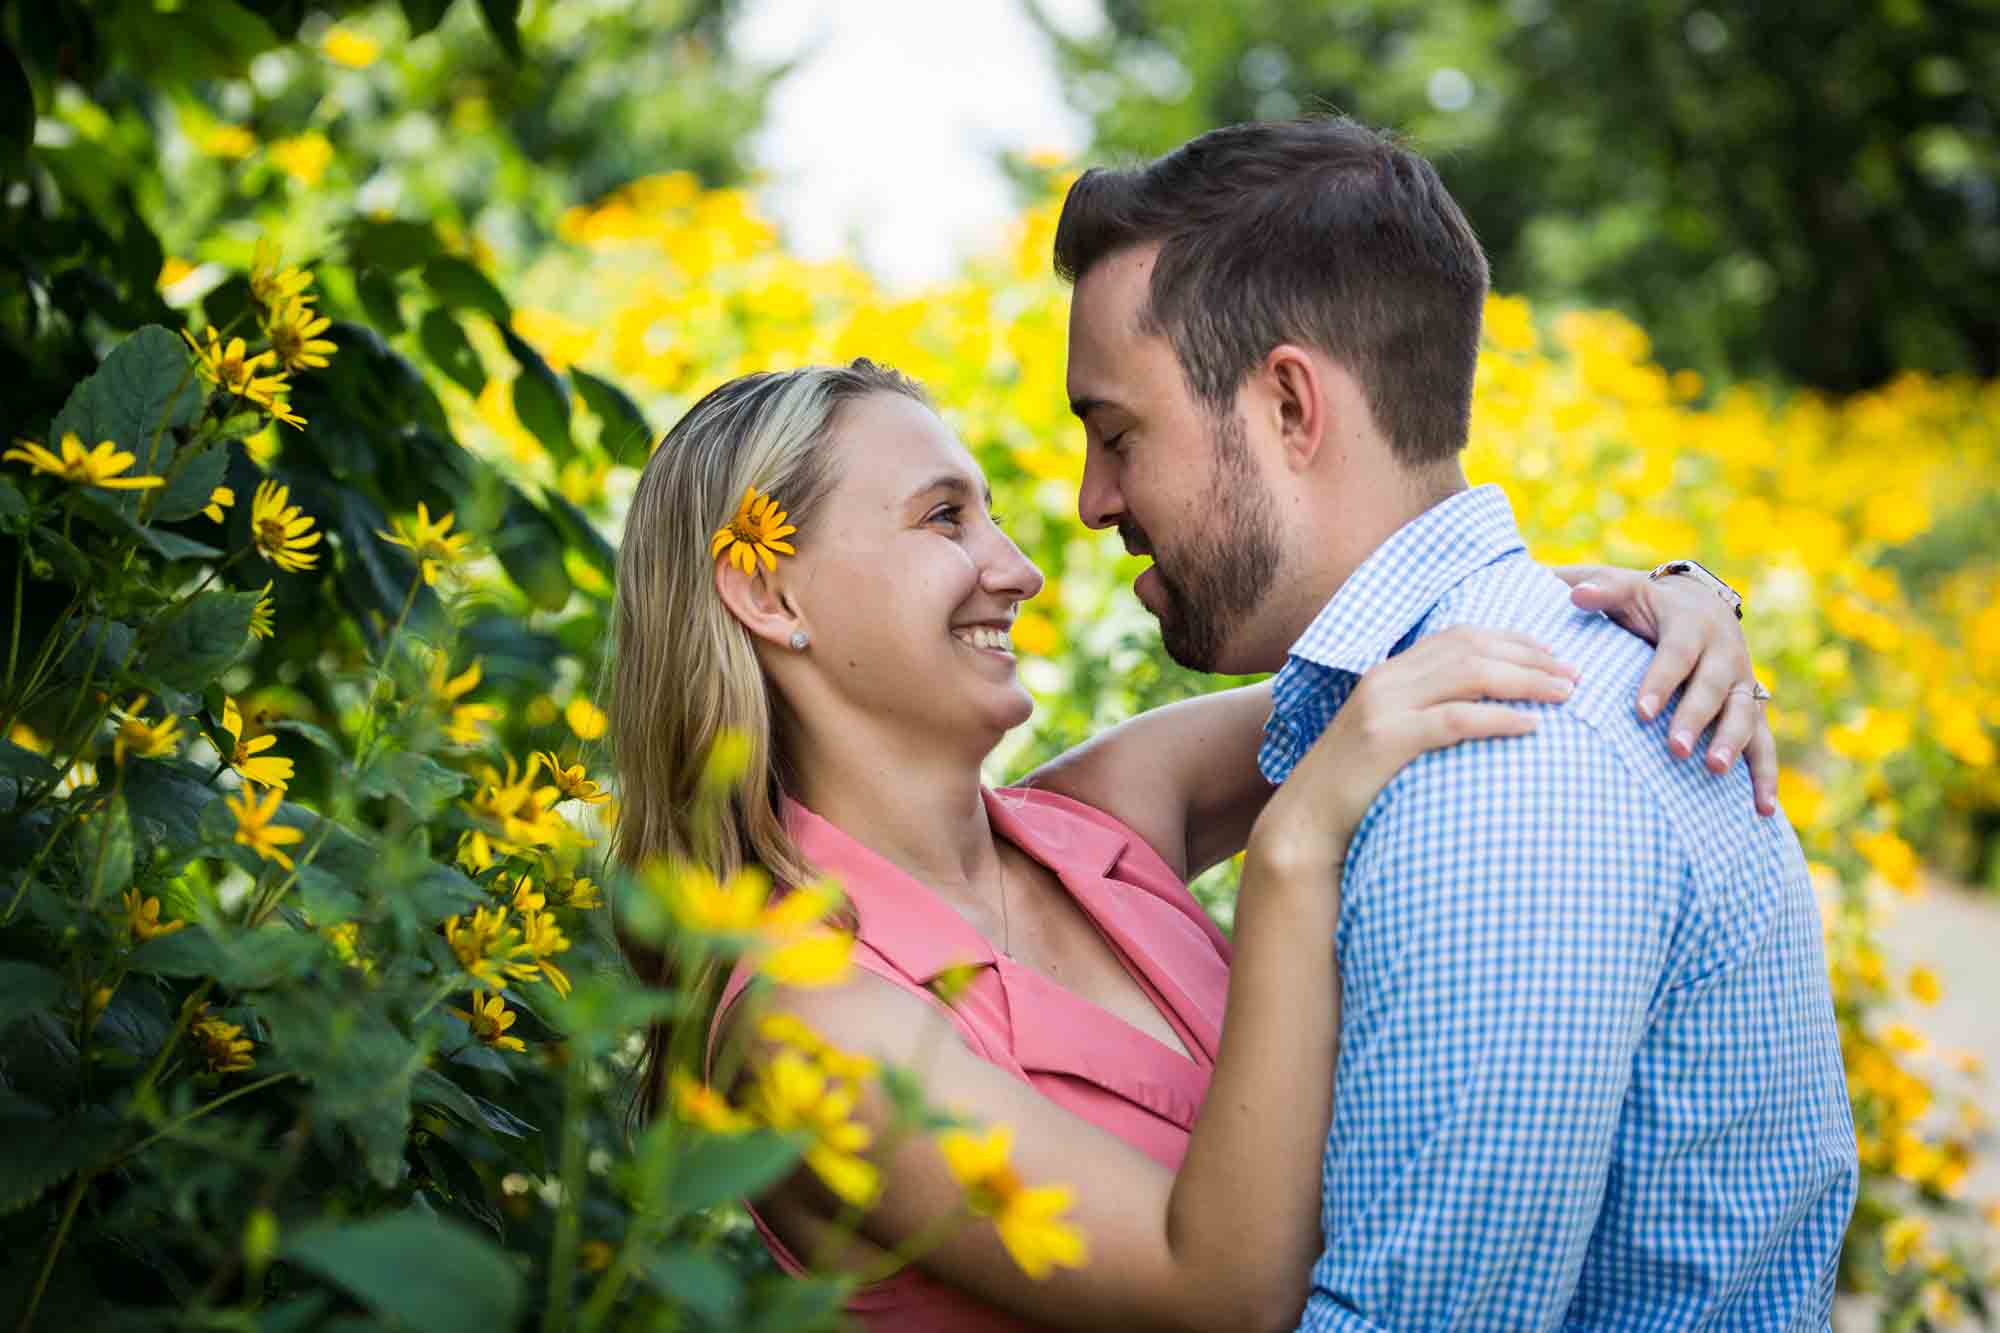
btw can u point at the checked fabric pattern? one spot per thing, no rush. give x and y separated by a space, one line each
1588 1073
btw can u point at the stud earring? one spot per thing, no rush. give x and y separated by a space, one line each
799 641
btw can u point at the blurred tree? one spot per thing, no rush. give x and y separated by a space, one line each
1807 190
187 131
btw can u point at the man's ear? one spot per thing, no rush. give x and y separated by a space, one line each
760 602
1296 385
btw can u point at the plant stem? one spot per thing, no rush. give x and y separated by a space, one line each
562 1255
182 1121
76 1190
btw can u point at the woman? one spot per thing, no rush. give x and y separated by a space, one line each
872 674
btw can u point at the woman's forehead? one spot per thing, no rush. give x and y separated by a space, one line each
894 448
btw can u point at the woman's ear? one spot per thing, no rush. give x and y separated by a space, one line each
760 602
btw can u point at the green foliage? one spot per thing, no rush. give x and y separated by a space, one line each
1801 190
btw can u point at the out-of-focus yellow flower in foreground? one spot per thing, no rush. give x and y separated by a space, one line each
1892 858
344 46
1029 1220
586 720
699 1104
147 740
794 1096
142 918
254 826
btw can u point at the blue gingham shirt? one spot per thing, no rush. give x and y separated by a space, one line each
1588 1072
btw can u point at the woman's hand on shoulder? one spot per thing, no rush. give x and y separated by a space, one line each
1445 689
1702 653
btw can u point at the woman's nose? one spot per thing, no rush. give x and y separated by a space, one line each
1009 572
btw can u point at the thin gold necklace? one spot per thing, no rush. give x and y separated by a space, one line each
1006 918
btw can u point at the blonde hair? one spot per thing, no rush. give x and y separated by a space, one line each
683 670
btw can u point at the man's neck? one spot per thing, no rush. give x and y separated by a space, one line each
1361 519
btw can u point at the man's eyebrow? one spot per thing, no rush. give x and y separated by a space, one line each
1084 406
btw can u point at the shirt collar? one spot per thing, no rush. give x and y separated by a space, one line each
1380 603
901 918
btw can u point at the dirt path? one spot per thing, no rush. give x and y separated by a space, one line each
1956 932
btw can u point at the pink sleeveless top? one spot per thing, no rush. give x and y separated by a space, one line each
1068 1049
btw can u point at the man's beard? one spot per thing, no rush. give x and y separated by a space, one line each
1219 575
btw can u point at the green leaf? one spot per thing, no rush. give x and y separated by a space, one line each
623 432
187 494
377 291
17 109
540 400
19 762
423 15
529 546
698 1280
171 794
147 382
392 245
418 781
581 535
104 848
242 960
712 1169
316 735
24 988
14 515
45 1150
424 1271
787 1305
445 344
504 18
172 546
434 1089
460 286
199 642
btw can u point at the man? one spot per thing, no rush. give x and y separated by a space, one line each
1588 1071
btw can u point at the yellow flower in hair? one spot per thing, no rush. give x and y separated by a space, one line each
757 532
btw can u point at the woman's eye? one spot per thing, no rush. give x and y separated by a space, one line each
945 514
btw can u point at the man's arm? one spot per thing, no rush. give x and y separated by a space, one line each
1504 933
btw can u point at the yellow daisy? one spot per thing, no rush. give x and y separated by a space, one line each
283 535
230 368
264 614
142 917
427 540
223 1046
1029 1220
147 740
570 781
489 1020
272 287
541 937
97 467
699 1104
246 757
254 828
219 499
794 1096
757 532
294 330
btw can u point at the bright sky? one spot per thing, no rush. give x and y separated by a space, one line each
883 140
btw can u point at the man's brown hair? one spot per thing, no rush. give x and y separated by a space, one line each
1319 231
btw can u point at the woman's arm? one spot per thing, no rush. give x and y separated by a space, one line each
1184 777
1227 1242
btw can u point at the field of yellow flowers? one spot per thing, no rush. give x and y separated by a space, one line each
1861 530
